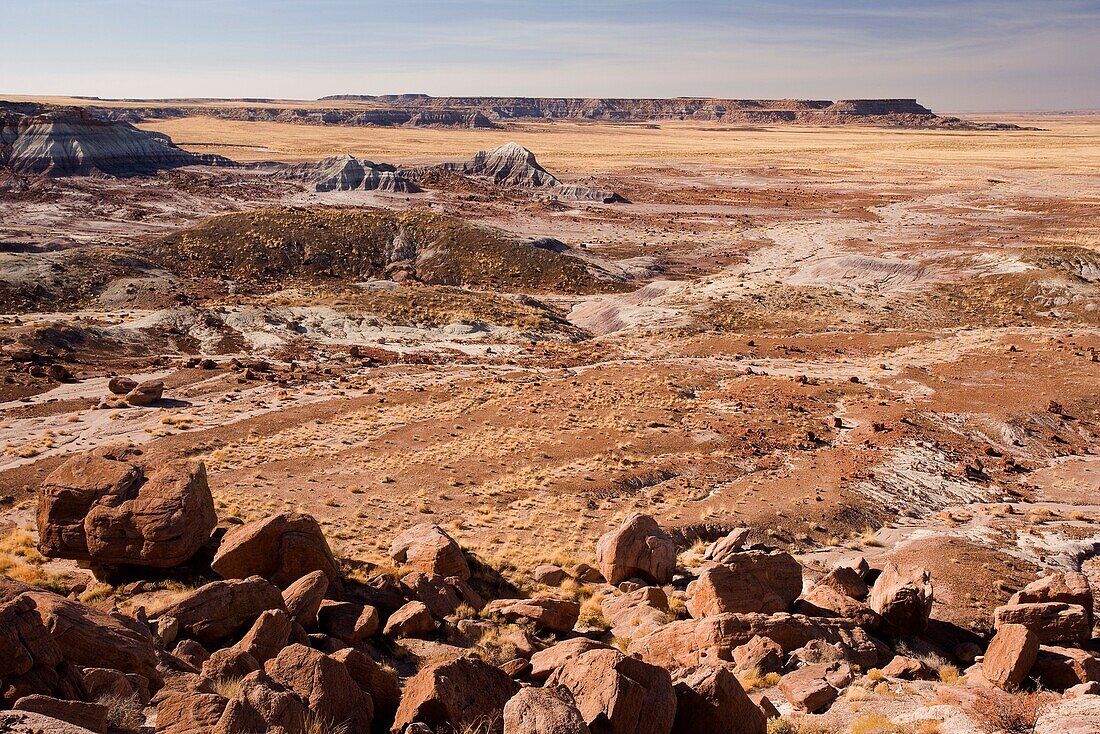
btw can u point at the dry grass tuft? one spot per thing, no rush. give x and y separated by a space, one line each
997 712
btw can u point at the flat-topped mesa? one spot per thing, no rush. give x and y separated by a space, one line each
879 107
69 141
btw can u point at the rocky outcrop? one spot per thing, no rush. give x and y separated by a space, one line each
106 508
513 166
69 141
639 548
281 548
1050 621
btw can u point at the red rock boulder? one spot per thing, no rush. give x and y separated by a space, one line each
638 549
428 548
282 549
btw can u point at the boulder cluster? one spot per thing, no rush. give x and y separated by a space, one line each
281 636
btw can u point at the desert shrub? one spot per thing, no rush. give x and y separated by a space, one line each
123 712
997 712
781 726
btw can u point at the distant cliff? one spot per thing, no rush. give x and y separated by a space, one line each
418 110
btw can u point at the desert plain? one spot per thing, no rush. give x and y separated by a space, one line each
853 340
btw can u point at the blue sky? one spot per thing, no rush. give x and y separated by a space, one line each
953 55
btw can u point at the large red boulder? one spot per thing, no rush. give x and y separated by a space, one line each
1051 621
555 615
282 549
617 694
428 548
462 694
549 710
220 610
752 581
710 699
902 597
325 685
1010 655
638 549
107 508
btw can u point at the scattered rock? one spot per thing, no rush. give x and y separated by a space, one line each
90 716
555 615
1050 621
303 598
145 394
221 609
808 689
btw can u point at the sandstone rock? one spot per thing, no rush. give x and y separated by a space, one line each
189 713
1092 688
1070 716
548 574
711 640
30 660
617 694
96 507
545 662
752 581
263 705
515 667
166 629
191 652
325 684
347 621
847 580
1010 655
120 385
90 638
711 699
639 548
761 654
461 693
161 524
636 613
1050 621
26 722
70 491
102 682
808 689
466 593
555 615
1058 668
146 393
1067 587
282 549
437 595
543 711
91 716
382 685
827 601
722 549
221 609
905 668
903 598
587 574
269 634
411 620
428 548
303 598
229 663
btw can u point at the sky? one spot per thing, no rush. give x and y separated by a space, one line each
952 55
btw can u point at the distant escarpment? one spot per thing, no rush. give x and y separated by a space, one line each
489 112
68 141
